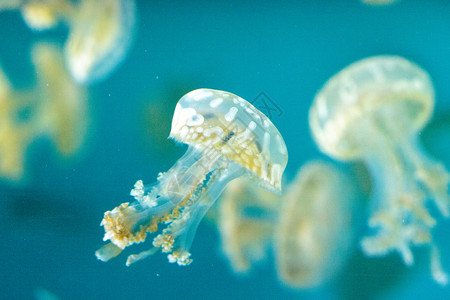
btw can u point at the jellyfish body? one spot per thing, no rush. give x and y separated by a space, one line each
100 35
227 138
100 32
313 233
246 218
15 134
63 110
55 107
373 111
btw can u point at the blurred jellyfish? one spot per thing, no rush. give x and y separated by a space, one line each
246 219
41 15
313 235
45 14
100 32
100 36
63 113
373 111
15 132
228 138
56 107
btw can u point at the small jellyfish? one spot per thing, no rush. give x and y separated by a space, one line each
100 31
313 234
100 35
373 111
63 109
246 218
228 138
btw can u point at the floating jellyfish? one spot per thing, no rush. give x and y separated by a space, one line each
100 35
63 113
313 234
41 15
228 138
100 32
15 134
55 107
247 214
373 111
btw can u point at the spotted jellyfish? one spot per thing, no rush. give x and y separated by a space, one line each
373 111
228 138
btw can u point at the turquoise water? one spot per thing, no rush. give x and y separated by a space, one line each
50 222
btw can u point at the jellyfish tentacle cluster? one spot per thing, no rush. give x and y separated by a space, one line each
55 107
228 138
373 111
246 218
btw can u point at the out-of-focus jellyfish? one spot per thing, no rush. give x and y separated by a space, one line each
41 15
55 107
63 113
100 35
15 133
246 218
313 235
100 32
373 111
228 138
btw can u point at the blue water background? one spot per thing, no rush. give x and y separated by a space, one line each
286 49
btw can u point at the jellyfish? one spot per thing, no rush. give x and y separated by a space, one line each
313 233
100 32
15 134
246 218
41 15
100 35
46 14
373 111
227 138
63 109
54 107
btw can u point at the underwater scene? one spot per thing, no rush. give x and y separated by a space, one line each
224 149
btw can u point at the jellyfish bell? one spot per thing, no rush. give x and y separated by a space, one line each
387 88
222 121
313 233
223 145
373 110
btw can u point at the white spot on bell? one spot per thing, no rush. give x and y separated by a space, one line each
231 114
216 102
